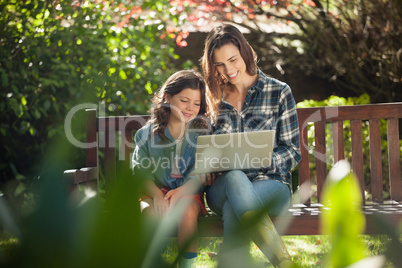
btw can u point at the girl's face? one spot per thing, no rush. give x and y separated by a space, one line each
229 63
185 105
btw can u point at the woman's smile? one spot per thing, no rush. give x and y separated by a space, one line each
229 63
234 75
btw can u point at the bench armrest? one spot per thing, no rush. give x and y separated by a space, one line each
87 176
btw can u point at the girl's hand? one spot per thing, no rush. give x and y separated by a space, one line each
173 196
161 206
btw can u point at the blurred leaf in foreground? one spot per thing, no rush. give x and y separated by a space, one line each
342 218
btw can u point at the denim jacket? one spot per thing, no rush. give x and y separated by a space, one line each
156 155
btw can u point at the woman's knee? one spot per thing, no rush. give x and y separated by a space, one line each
229 183
235 178
275 196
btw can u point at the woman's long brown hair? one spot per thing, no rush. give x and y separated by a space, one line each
218 37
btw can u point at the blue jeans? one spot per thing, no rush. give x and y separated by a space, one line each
232 194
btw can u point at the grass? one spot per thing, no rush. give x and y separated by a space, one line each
7 245
307 251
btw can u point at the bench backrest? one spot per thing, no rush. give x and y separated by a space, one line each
356 116
327 121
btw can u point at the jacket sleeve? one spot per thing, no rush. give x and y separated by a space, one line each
189 175
139 163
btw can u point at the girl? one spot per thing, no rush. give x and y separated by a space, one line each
166 148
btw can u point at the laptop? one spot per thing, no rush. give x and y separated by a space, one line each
243 150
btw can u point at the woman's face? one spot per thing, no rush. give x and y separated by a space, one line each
229 63
185 105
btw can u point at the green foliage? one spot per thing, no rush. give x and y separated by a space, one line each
335 101
87 231
54 55
342 219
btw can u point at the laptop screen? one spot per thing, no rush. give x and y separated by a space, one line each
244 150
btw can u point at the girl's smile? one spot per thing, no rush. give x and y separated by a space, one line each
184 106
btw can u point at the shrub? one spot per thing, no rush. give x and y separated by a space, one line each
54 55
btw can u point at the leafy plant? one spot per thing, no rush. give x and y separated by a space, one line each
342 219
55 55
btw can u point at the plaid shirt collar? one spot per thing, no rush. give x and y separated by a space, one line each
258 86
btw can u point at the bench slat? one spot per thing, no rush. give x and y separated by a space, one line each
344 113
304 169
91 128
127 144
110 153
357 152
375 160
320 156
339 147
394 158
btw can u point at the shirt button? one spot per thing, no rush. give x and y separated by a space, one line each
171 148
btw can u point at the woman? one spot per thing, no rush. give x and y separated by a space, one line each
242 98
165 147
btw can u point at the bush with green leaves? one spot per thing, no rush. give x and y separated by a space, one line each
55 55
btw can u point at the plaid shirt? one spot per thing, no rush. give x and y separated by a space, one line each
269 105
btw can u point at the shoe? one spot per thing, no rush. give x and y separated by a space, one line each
187 263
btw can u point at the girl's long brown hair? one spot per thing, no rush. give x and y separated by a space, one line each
177 82
218 37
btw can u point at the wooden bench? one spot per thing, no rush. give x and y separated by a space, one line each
303 216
